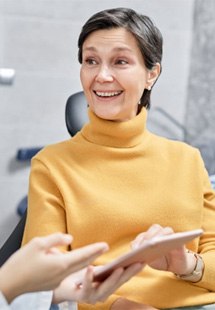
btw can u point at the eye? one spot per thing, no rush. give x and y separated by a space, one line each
90 61
121 62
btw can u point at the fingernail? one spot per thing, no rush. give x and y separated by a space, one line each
135 245
68 238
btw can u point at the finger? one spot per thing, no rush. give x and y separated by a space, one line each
138 241
87 285
140 236
88 280
107 287
117 278
168 230
54 251
129 273
56 239
154 230
80 258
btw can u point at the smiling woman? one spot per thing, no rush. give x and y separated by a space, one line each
109 59
115 181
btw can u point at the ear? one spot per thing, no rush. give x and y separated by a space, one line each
153 74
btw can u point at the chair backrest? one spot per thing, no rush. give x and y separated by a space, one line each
76 112
75 116
13 243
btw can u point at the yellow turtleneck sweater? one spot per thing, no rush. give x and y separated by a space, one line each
112 181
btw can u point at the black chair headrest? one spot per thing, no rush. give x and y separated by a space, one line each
76 112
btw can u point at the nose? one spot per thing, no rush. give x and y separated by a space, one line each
104 75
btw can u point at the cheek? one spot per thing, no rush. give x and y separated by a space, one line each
87 77
84 78
135 80
140 83
136 88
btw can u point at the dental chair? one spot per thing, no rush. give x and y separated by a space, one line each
75 117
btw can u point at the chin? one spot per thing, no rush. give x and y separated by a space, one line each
104 114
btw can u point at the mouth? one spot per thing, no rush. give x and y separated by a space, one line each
107 94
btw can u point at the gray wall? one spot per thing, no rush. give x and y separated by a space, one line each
38 39
200 116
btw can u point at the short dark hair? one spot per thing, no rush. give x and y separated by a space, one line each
147 35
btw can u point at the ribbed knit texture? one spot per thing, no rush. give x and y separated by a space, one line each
114 180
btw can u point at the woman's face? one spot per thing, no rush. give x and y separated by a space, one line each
113 74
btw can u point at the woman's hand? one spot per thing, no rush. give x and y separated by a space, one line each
178 261
123 303
89 291
39 265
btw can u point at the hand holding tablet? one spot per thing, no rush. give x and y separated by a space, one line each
149 251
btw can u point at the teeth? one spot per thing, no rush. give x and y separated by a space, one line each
107 94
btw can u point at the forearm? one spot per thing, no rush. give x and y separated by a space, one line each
8 293
33 301
9 288
207 280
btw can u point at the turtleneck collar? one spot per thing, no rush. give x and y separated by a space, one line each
115 134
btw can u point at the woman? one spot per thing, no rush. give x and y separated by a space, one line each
117 182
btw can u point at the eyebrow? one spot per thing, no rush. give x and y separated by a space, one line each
115 49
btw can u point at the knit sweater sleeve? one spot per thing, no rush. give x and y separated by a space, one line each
207 241
46 213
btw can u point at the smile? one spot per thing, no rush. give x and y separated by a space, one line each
108 94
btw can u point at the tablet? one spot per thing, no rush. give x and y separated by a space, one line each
149 251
